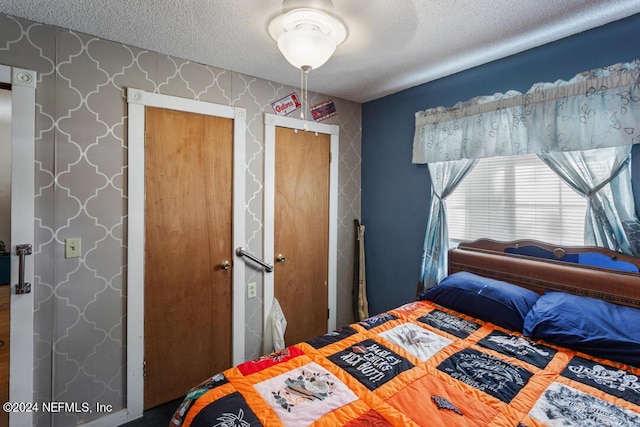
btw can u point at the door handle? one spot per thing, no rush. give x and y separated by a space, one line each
243 252
280 258
22 251
225 265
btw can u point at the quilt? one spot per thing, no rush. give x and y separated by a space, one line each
418 365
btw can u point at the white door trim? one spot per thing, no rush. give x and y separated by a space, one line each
23 110
270 123
137 101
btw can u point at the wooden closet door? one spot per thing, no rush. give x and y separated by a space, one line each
302 231
188 234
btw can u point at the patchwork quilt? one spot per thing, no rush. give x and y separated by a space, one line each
418 365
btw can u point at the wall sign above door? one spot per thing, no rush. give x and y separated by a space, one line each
323 110
286 105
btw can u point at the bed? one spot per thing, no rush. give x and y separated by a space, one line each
507 339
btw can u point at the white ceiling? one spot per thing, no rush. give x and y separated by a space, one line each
391 45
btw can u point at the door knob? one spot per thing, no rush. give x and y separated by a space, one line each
280 258
225 265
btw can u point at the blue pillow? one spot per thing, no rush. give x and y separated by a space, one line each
588 325
500 303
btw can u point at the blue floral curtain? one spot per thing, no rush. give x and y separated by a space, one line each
445 177
603 176
596 109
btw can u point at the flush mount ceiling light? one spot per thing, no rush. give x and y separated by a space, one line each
307 36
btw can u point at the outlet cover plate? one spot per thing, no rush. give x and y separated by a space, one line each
252 290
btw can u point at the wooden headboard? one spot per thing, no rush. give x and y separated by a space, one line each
489 258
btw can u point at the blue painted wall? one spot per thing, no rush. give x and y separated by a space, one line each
395 193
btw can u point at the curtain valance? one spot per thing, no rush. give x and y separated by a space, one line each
595 109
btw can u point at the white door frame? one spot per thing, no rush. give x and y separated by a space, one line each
23 110
272 121
138 100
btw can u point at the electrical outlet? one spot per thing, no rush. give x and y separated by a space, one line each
73 247
252 290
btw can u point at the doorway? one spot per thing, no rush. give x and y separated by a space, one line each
144 107
290 217
21 85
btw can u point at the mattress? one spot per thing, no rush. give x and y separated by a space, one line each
418 365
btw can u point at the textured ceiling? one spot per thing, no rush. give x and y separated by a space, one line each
391 45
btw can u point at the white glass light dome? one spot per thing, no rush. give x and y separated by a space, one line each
307 37
306 47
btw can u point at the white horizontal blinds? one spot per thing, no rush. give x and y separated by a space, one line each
515 197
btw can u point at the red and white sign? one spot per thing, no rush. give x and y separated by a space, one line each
285 105
323 110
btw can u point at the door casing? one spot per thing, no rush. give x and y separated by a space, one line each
137 101
272 121
23 90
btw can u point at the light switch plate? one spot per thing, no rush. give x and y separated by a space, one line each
72 247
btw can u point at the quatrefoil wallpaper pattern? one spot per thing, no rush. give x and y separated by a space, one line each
81 178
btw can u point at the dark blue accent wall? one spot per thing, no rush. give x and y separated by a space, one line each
395 193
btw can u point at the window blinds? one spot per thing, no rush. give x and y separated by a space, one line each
515 197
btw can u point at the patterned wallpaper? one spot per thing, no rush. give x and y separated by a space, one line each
81 179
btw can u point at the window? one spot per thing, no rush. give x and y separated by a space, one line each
517 197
